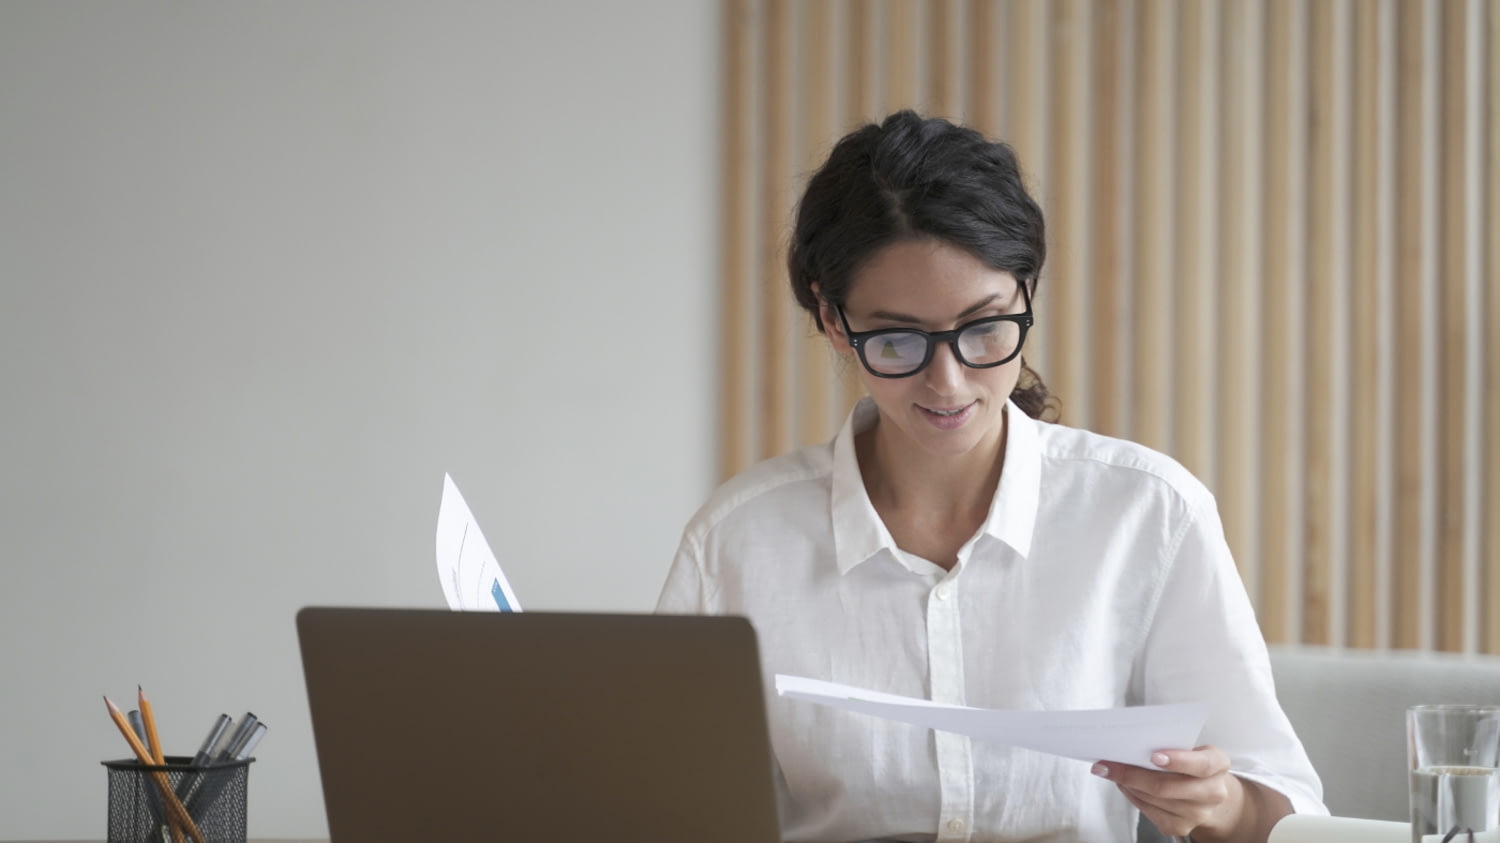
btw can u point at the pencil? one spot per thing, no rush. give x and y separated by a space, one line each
153 743
169 797
153 746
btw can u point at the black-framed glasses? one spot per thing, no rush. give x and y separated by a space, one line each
903 352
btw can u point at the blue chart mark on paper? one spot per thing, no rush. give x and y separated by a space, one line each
499 594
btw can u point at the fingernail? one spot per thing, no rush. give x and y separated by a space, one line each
1160 759
1101 770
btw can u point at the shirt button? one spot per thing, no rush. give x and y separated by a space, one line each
955 825
942 594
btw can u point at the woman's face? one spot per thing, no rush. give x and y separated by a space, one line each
946 409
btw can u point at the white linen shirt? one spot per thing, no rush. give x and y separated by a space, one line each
1100 578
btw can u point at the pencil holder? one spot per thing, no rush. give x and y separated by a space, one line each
213 796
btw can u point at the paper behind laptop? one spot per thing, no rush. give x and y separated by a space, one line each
471 577
1127 735
1311 828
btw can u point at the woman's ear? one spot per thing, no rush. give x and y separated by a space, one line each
833 327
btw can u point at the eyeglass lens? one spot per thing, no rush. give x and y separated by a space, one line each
980 344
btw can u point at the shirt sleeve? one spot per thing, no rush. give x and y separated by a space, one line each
683 593
1205 645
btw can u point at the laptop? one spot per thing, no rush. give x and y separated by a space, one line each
535 726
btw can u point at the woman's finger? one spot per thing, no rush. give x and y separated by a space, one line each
1162 786
1167 822
1202 762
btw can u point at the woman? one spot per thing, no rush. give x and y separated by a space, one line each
950 545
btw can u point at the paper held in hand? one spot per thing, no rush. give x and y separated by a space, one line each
471 578
1127 735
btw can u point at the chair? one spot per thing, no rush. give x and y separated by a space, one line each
1349 709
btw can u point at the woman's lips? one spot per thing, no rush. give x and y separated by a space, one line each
948 418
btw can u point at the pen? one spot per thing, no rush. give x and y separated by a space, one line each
138 726
221 746
221 751
187 789
202 799
249 747
174 806
205 752
241 733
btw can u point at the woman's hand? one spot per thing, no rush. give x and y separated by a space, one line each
1192 792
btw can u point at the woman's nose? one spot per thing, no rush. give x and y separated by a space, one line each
945 372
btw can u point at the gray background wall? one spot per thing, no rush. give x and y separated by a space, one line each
267 270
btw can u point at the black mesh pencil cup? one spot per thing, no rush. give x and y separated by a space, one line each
213 796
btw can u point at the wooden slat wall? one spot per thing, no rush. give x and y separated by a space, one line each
1488 62
1274 226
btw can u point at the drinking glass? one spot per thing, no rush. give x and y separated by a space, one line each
1454 756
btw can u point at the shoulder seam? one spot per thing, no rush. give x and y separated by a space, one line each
1185 485
725 501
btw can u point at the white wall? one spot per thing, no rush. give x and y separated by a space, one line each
267 270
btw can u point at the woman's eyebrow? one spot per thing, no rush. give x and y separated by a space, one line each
890 316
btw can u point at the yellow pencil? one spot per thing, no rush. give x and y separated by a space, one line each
169 797
154 746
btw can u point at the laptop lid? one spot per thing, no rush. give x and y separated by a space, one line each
486 726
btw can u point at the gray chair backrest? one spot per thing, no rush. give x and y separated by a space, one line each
1349 709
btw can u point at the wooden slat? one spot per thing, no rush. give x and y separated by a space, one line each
942 60
1027 76
1241 335
861 71
984 106
1475 434
1408 433
1025 90
901 55
1068 221
1453 455
862 101
1195 258
1111 160
1285 303
735 176
1154 275
1430 343
1312 521
1491 541
1388 278
1365 533
1293 301
819 105
776 174
1028 81
1326 235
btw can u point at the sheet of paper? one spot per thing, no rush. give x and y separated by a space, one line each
1127 735
1311 828
471 577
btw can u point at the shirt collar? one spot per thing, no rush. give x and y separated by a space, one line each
1012 517
858 532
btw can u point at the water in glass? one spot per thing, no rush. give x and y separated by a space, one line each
1447 796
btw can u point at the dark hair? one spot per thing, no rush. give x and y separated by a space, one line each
911 178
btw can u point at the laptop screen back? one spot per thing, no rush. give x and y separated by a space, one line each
484 726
